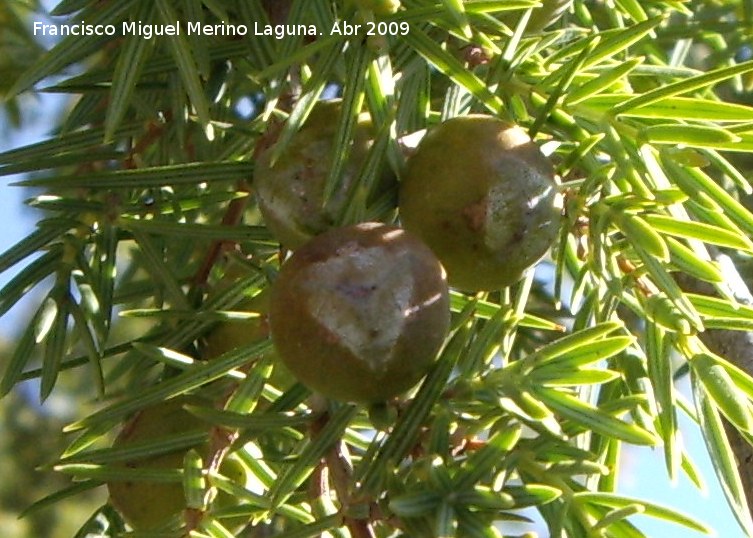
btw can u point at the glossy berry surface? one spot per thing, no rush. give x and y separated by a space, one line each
148 505
359 313
290 190
483 197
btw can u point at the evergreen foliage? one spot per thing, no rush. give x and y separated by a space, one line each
145 204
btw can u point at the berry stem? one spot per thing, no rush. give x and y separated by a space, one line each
338 464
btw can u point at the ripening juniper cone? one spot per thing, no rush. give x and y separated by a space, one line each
230 335
147 505
359 313
483 197
290 192
233 334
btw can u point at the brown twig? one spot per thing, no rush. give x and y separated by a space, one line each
340 471
236 208
154 131
220 441
232 217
